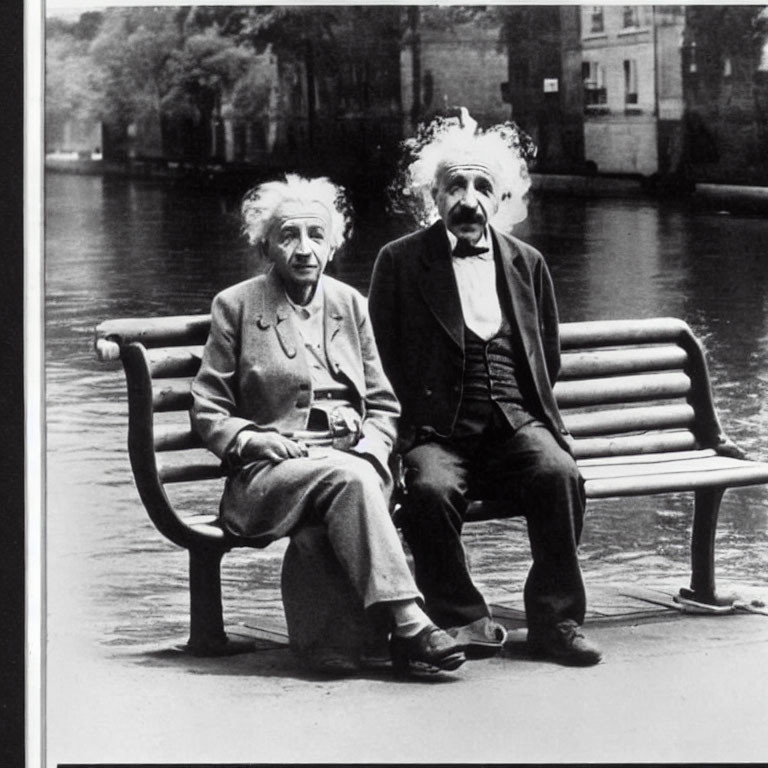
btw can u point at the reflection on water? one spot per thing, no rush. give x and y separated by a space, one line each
118 248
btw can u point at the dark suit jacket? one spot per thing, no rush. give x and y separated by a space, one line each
419 327
254 374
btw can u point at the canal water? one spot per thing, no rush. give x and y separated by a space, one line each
117 248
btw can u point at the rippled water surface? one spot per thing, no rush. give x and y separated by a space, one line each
122 248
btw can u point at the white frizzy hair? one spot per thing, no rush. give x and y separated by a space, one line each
261 203
444 143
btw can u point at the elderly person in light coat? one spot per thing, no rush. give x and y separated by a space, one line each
292 397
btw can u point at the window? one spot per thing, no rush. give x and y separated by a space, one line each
727 67
630 16
630 82
595 96
597 19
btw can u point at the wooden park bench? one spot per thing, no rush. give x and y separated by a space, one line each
635 395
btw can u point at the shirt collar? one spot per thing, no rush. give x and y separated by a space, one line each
483 242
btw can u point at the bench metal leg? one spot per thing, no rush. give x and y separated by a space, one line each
207 636
706 510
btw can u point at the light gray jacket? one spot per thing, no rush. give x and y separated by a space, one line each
254 373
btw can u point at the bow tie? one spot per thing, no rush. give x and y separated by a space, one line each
463 250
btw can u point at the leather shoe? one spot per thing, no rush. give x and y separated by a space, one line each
430 651
563 643
479 639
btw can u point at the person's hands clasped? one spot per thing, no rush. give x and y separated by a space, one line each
271 446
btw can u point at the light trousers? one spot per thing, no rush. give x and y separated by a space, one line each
339 491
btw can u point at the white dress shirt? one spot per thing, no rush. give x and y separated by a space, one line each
476 280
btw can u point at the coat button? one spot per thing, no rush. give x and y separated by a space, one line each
428 392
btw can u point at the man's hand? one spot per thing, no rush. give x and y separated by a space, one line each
271 446
346 427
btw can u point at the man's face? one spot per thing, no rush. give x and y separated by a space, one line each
298 246
466 198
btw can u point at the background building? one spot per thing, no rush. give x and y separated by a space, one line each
631 79
670 92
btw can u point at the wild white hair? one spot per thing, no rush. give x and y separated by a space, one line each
262 203
446 142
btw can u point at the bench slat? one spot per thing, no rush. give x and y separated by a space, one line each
606 333
174 362
208 524
632 445
622 389
606 422
189 472
201 519
176 439
648 458
179 330
171 395
576 365
696 464
750 473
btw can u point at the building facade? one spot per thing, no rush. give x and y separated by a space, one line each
674 92
631 84
598 88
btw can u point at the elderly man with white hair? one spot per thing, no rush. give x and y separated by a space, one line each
465 319
290 360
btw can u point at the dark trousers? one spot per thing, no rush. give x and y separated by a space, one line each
525 472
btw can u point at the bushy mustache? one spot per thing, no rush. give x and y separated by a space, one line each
464 214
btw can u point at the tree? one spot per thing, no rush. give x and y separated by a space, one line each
168 67
71 85
131 52
202 74
295 33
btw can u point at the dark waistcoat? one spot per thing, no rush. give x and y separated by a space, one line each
490 382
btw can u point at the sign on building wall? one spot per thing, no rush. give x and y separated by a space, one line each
550 85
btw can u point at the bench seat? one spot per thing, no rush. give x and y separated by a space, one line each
667 472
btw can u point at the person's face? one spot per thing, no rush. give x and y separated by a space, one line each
466 198
299 248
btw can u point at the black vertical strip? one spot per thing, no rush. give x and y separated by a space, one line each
11 386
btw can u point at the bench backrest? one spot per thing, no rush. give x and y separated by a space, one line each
160 357
635 386
626 387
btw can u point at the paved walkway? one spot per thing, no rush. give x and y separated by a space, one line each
673 687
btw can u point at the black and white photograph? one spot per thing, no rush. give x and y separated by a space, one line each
397 383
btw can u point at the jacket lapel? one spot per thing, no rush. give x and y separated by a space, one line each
524 309
333 317
437 283
337 338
